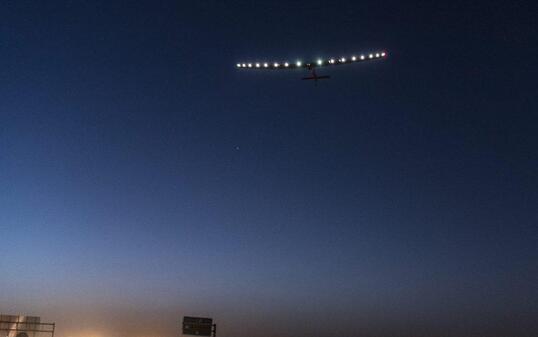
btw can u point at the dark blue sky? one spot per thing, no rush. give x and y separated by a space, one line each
143 177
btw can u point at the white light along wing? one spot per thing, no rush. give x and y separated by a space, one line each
283 65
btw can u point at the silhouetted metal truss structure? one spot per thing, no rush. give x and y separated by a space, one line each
25 326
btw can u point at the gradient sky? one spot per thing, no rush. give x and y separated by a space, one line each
143 177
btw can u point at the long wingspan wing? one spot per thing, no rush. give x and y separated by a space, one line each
312 64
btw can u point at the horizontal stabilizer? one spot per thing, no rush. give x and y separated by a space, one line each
316 78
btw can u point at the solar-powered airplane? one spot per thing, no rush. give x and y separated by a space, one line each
311 66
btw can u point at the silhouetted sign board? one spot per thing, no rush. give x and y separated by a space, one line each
199 326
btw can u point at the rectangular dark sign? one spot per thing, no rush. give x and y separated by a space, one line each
198 326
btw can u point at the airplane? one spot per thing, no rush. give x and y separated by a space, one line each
311 66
